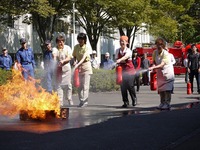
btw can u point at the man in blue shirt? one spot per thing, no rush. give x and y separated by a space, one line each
108 64
49 66
25 60
5 59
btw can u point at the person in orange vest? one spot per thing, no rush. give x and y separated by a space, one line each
123 58
165 73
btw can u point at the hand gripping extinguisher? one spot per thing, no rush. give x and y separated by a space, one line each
189 90
118 74
153 81
76 78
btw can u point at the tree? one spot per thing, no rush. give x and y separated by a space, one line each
190 27
44 16
168 20
45 24
161 18
93 18
128 16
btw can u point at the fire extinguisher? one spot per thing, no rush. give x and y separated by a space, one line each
189 90
76 78
59 74
153 81
119 75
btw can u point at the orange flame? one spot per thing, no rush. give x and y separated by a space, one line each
19 95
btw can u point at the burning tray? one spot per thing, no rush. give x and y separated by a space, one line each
47 114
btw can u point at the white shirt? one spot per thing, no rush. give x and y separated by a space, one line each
126 51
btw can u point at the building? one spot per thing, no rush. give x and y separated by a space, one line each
10 38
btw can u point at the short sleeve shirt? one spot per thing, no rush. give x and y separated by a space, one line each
162 57
62 53
80 51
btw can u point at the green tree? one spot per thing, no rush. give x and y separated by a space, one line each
45 24
128 16
93 17
44 16
161 18
191 27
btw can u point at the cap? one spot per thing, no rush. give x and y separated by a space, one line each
124 38
4 48
107 54
94 52
47 42
22 40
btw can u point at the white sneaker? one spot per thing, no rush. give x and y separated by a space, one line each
160 106
165 106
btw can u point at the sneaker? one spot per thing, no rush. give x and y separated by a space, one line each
125 105
134 103
165 107
71 102
160 106
83 104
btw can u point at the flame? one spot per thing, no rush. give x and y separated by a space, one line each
29 96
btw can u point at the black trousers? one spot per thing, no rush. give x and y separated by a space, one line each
137 81
191 77
128 86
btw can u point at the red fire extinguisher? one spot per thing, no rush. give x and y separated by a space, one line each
59 74
153 81
76 78
118 74
189 90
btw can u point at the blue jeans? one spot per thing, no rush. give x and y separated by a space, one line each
49 79
28 71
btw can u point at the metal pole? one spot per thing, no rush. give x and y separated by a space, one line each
73 43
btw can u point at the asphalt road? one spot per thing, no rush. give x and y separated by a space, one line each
104 125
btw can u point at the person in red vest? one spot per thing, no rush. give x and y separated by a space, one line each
136 60
123 58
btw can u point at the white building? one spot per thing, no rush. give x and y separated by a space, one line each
11 36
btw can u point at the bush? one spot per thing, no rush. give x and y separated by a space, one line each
101 80
5 76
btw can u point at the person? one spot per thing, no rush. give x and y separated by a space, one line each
165 73
136 60
193 66
172 62
82 62
62 54
94 60
49 66
185 63
108 64
123 58
5 59
145 65
25 60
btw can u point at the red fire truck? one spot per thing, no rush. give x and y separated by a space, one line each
177 50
